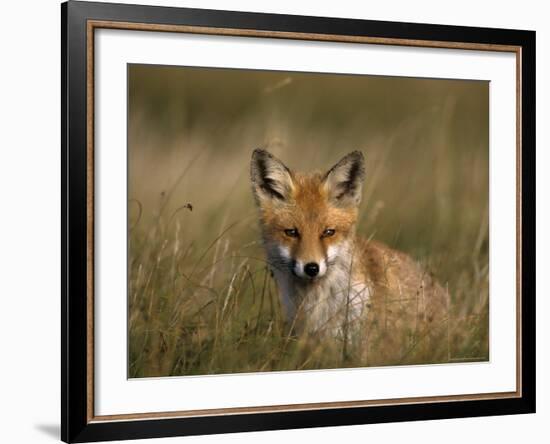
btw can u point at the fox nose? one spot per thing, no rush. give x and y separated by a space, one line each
311 269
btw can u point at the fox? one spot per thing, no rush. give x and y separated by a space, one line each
331 280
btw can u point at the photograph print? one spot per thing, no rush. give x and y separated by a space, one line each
293 221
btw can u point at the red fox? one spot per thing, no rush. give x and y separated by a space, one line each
330 280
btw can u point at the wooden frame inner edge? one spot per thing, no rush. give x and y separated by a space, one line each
90 28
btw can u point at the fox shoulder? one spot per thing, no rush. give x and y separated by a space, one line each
395 276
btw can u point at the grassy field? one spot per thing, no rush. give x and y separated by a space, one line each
201 299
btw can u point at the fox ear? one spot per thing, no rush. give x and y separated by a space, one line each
271 179
344 181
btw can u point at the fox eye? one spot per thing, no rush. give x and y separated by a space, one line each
328 232
291 232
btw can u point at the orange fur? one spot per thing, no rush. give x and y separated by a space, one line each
361 287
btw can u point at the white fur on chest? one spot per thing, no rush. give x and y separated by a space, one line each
331 305
334 303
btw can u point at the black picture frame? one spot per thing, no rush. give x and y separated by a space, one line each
76 424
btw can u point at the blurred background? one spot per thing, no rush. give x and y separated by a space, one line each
200 297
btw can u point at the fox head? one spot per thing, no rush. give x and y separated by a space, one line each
308 219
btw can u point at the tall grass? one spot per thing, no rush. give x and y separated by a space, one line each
201 299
